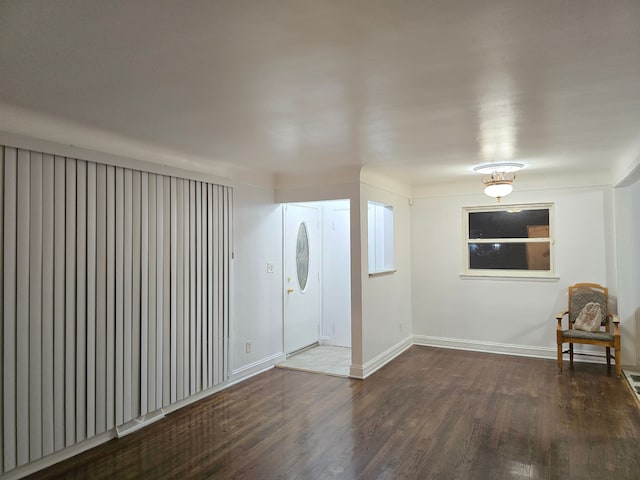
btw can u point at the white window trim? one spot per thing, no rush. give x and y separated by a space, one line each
508 274
384 251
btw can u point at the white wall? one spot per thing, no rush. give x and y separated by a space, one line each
257 295
386 298
635 280
336 274
627 220
515 316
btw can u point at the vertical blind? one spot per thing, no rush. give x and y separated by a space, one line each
114 297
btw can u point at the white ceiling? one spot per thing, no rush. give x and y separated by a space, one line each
426 89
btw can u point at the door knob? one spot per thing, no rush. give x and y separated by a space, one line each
289 290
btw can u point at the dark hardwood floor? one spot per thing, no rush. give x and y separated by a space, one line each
431 413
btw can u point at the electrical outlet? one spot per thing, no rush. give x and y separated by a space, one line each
247 346
269 267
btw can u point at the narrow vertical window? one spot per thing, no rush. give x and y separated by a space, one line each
302 256
380 233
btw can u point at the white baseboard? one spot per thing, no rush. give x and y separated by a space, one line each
363 371
255 368
487 347
508 349
324 341
235 376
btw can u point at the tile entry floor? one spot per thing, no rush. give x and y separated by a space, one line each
633 377
323 359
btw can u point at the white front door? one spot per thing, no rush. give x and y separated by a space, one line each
301 276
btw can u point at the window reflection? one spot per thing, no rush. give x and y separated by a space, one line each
508 224
510 256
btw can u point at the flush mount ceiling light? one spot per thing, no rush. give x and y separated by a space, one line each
499 179
498 185
503 167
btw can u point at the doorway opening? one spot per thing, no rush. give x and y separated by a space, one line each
317 287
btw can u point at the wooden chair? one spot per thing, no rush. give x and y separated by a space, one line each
579 295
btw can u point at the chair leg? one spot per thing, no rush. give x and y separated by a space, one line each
618 363
571 354
608 356
559 357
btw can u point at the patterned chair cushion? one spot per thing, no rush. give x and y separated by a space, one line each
602 336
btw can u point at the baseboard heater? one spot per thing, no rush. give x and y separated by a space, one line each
138 423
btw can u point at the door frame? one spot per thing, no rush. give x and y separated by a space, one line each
284 273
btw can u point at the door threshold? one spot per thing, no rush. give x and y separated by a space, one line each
303 349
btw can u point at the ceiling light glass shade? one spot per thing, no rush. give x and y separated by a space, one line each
499 181
498 189
498 185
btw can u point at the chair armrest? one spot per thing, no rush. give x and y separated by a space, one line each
559 319
616 324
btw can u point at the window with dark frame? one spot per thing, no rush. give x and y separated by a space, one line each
508 240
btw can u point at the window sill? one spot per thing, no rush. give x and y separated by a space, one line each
514 276
380 273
